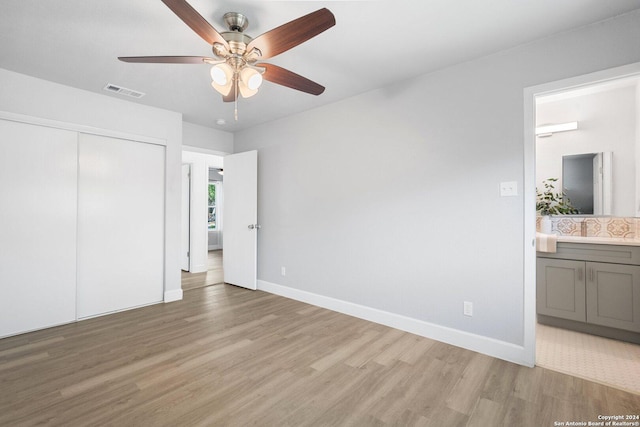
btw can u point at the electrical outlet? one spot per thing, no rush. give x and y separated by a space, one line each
468 308
283 271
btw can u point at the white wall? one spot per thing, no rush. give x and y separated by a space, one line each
411 248
200 164
214 141
24 95
606 122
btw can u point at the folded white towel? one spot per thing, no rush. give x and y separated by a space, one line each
546 242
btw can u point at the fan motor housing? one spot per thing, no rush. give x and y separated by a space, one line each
235 37
236 21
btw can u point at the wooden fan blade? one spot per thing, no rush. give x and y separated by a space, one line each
195 21
230 97
284 77
168 59
293 33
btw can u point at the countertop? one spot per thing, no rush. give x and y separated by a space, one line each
600 240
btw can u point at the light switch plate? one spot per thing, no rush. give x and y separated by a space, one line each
508 189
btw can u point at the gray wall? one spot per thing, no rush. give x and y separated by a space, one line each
435 233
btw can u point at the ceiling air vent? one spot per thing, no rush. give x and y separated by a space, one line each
123 91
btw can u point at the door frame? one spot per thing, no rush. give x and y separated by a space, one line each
529 184
188 218
200 160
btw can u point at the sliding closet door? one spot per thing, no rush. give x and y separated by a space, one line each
38 187
120 224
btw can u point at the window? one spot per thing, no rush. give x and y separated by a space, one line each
213 214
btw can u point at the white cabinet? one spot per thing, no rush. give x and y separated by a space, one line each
81 225
38 188
120 224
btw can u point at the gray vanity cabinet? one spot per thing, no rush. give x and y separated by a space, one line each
592 288
613 295
561 289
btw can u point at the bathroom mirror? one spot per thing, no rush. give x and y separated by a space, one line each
586 181
595 164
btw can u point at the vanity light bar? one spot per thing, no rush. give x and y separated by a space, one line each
548 130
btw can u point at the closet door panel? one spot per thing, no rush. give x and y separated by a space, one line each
38 188
120 224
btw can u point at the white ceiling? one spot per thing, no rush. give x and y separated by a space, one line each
374 43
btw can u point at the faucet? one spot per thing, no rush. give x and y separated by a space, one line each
583 228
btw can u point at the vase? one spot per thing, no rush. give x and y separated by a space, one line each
545 224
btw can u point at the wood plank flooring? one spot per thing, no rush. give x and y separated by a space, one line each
213 276
232 357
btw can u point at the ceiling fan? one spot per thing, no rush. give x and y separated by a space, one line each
236 69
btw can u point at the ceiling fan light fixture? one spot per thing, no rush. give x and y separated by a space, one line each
245 91
222 78
221 73
234 65
249 82
251 77
222 90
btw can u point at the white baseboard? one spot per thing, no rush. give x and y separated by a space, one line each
198 268
481 344
173 295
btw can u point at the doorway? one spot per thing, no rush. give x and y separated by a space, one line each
238 234
579 99
213 273
202 220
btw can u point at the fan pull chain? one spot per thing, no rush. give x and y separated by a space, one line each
235 111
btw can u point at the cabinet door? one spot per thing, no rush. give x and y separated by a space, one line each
120 224
561 288
38 184
613 295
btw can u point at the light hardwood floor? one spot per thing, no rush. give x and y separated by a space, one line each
232 357
213 276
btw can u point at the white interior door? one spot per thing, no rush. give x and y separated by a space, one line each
120 224
240 219
186 200
38 184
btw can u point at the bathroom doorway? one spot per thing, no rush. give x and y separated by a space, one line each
604 112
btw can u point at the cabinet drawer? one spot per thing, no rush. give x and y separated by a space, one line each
618 254
561 288
613 295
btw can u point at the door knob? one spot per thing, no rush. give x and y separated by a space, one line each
252 226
